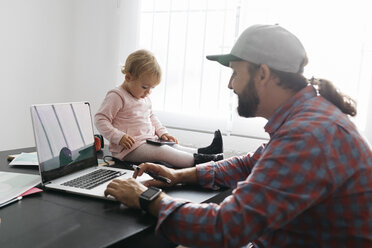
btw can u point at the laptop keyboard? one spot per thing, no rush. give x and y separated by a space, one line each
93 179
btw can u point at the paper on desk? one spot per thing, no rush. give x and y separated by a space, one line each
25 158
31 191
13 184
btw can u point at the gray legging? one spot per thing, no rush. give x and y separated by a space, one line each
175 155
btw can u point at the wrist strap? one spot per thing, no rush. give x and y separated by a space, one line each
144 204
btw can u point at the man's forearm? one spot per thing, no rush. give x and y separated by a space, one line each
187 176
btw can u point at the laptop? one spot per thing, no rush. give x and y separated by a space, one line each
66 151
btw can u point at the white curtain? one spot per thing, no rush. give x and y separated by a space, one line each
193 93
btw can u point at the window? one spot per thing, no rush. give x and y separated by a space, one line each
193 93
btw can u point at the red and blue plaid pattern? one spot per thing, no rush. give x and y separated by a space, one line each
309 186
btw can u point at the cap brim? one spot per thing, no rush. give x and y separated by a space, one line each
223 59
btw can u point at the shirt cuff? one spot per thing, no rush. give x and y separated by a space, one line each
161 131
206 175
167 206
117 137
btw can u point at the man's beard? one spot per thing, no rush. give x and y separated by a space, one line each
248 100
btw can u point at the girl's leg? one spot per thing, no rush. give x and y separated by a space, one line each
202 158
185 148
165 154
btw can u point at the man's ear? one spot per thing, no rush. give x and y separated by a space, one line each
264 72
263 75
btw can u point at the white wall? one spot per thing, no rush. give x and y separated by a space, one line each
34 63
104 35
58 51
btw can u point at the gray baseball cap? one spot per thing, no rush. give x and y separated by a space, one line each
271 45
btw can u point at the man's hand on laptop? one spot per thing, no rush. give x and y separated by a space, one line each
126 191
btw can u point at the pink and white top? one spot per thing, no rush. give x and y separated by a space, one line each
120 114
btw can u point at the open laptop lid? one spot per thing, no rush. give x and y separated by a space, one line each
64 138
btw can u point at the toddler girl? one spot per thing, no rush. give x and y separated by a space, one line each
126 120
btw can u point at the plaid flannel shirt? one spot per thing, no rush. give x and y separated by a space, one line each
309 186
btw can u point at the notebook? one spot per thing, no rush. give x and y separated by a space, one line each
66 152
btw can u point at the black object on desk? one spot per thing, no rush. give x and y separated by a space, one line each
56 219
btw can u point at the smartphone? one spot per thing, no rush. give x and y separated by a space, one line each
159 142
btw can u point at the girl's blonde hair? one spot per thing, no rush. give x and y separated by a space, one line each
141 62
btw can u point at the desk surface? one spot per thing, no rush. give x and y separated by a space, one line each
56 219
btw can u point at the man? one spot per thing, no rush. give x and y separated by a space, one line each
309 186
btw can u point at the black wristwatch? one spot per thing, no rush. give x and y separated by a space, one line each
148 196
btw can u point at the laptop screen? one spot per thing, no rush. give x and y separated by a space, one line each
64 138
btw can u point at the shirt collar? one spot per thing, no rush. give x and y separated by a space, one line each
282 113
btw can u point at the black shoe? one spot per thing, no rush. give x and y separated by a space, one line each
203 158
216 147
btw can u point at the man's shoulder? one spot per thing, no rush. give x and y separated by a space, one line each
320 119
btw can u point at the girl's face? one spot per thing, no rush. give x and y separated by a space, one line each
142 86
